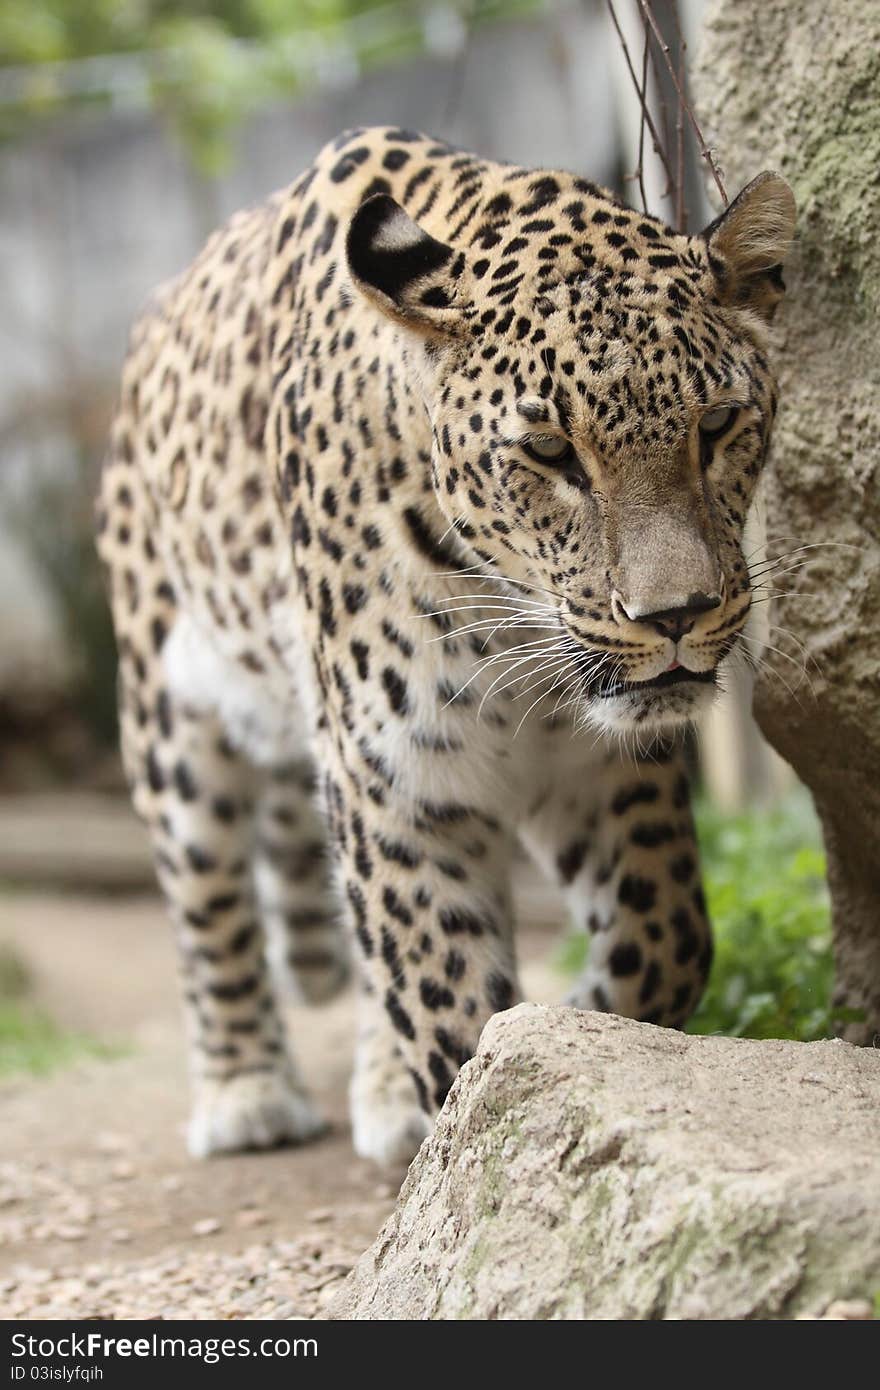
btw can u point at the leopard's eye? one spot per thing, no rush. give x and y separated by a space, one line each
548 448
718 421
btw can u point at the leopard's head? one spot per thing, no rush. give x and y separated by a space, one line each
601 399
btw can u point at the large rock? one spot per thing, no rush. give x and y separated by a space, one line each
794 85
585 1166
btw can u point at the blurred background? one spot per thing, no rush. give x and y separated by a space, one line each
128 130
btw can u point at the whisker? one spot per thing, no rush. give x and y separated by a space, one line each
808 655
565 657
488 600
544 694
768 646
523 660
496 577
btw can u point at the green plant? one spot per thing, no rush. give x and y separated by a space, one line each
768 900
205 65
31 1041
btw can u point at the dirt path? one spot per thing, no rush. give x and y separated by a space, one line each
102 1214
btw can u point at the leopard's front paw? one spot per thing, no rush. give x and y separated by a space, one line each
253 1111
389 1131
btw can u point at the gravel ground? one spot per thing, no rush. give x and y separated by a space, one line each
102 1213
283 1279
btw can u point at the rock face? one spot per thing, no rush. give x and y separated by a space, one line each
585 1166
795 85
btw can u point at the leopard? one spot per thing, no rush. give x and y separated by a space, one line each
422 518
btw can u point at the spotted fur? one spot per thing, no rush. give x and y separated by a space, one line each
411 494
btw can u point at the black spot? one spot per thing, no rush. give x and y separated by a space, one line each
398 853
326 613
300 531
185 783
456 921
395 159
163 714
159 632
638 893
441 1074
222 902
354 596
651 834
688 939
395 688
454 965
435 996
681 997
681 794
200 860
395 908
446 812
682 867
571 860
350 161
287 230
452 1048
499 991
625 959
427 543
362 861
421 1091
154 772
391 957
361 652
650 983
231 990
642 793
435 298
243 938
399 1016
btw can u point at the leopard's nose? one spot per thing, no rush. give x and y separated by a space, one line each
674 623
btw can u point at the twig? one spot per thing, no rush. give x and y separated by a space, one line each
643 102
680 207
659 148
664 107
706 153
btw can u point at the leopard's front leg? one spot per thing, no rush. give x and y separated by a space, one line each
621 845
427 898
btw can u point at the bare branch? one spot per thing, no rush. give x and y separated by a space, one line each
647 11
664 107
659 147
643 102
681 217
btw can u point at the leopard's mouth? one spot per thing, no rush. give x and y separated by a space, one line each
677 675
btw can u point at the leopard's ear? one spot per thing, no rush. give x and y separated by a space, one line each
749 242
407 273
